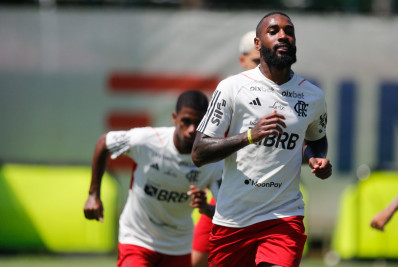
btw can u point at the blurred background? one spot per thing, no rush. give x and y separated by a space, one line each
71 70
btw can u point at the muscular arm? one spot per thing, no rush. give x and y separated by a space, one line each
208 149
93 208
314 153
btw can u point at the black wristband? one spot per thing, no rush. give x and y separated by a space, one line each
308 153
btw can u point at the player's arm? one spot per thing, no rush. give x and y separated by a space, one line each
199 201
93 208
383 217
209 149
314 153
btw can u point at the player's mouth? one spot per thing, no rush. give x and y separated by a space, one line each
282 48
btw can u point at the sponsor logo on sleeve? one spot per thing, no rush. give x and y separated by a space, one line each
218 114
323 120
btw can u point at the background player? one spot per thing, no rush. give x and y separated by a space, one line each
155 227
383 217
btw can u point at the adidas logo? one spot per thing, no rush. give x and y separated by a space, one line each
155 166
256 102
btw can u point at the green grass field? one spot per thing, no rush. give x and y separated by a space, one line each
110 260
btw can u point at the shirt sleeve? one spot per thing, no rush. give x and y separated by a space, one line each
218 116
125 142
317 129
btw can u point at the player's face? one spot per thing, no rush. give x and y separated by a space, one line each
277 41
186 122
250 60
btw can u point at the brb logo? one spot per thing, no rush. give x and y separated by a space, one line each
164 195
257 184
284 141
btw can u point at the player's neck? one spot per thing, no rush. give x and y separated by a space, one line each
277 75
180 148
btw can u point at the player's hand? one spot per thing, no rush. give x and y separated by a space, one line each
380 219
272 124
93 209
320 167
198 198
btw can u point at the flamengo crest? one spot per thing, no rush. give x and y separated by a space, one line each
301 108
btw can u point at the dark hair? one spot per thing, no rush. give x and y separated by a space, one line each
192 99
266 16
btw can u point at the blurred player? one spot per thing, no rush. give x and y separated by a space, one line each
268 112
156 224
383 217
249 58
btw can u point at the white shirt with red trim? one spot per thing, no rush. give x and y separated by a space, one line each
157 214
261 181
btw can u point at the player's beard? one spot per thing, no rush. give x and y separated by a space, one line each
285 60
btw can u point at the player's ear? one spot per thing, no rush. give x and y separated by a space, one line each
257 43
242 60
174 117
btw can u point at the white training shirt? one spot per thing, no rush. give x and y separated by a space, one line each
261 181
157 214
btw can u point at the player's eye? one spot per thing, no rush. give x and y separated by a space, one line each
186 122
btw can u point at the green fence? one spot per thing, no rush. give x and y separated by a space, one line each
41 208
353 236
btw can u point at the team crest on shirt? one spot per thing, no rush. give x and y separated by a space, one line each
301 108
192 176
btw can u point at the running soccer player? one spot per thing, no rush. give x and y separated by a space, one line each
156 224
249 58
268 111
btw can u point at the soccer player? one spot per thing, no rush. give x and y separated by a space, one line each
249 58
155 227
383 217
268 111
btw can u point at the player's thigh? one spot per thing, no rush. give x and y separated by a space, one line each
135 256
231 247
284 248
175 260
201 234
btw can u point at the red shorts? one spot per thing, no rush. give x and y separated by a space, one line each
201 233
131 255
279 242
